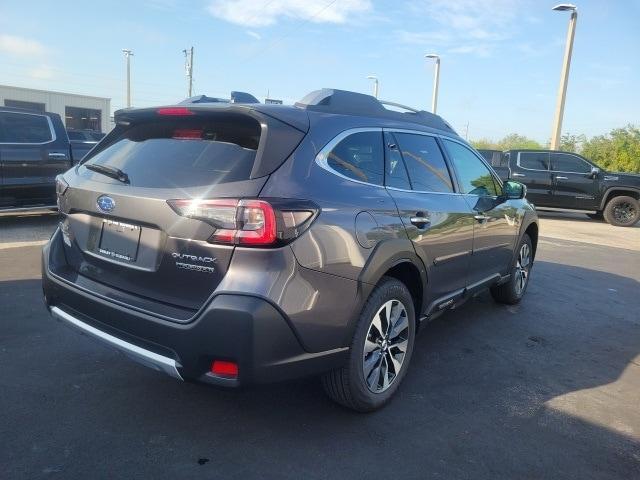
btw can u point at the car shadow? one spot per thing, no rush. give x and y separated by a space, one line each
490 394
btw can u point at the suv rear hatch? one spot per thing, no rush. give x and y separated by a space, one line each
125 234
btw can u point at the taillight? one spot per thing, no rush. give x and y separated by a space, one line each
248 222
61 188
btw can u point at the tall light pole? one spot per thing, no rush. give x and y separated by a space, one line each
564 76
436 81
376 84
128 54
188 66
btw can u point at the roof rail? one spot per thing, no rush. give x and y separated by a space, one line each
330 100
399 105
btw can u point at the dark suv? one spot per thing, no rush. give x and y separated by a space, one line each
236 244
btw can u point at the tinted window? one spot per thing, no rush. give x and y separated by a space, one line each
395 171
24 128
475 177
562 162
534 160
183 152
33 106
425 163
360 157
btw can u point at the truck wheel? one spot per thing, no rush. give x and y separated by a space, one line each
512 291
380 351
595 216
622 211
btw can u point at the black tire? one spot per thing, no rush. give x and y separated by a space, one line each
596 216
347 385
512 291
622 211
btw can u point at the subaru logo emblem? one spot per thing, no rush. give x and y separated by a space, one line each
106 203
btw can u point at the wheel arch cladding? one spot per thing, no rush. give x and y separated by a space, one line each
396 258
613 192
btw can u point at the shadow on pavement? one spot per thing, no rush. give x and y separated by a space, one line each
474 404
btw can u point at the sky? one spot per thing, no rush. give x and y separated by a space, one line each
500 67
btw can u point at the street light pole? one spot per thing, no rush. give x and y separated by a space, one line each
188 59
564 76
376 84
128 54
436 81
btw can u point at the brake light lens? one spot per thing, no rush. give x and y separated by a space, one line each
237 222
224 369
175 111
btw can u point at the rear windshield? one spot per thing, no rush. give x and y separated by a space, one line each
183 152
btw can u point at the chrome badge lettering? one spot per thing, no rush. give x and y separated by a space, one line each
183 261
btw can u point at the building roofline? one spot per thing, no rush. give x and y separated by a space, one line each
56 92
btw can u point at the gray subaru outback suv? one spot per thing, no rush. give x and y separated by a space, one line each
236 244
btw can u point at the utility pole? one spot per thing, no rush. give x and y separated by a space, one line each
188 66
128 54
436 81
556 133
376 84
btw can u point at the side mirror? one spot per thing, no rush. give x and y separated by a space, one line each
594 172
514 190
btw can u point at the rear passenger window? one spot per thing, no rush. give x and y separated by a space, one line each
475 177
24 128
360 157
426 166
534 160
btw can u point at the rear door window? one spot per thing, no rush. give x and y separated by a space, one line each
24 128
360 157
534 160
426 166
183 152
395 171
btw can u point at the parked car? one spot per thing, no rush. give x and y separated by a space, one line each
569 182
34 148
236 244
82 141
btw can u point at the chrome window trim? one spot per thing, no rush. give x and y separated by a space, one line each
49 122
571 155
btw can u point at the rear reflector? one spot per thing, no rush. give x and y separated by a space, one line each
224 369
175 111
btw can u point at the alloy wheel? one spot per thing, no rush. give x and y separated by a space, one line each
523 265
385 346
624 212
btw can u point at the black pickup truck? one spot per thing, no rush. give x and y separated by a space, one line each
566 181
34 149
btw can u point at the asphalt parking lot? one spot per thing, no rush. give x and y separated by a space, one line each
547 389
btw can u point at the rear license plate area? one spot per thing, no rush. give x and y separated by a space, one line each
119 240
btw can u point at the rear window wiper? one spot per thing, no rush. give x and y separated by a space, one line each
112 172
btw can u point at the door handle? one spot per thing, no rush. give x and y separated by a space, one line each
420 220
518 175
481 218
58 155
561 178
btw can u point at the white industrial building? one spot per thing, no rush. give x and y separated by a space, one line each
77 111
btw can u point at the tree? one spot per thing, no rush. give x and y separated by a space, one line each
572 143
619 151
511 141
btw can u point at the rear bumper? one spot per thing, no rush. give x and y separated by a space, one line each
244 329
